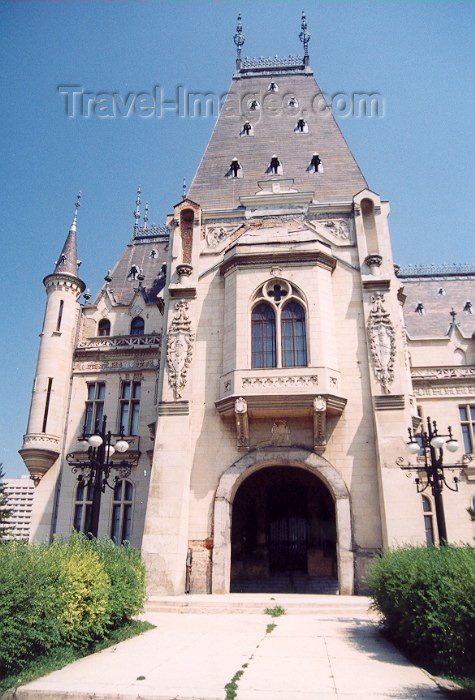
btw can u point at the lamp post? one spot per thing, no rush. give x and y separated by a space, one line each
429 445
95 471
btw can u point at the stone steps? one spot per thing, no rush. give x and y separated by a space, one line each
256 603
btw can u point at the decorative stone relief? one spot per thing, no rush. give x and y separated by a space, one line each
116 365
456 390
467 372
280 381
216 234
179 348
382 342
280 433
319 423
339 228
242 422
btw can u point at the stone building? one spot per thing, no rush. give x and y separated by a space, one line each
20 494
264 359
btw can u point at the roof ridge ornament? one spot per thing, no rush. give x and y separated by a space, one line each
137 210
304 37
183 188
77 204
239 39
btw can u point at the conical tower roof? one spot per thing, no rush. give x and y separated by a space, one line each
67 263
272 95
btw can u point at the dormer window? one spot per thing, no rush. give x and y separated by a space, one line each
104 327
235 169
468 307
419 308
301 127
315 165
293 102
273 87
137 326
254 105
275 166
247 129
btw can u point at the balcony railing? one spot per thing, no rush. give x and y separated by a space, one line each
122 342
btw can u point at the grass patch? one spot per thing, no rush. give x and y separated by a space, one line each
276 611
232 686
270 628
62 656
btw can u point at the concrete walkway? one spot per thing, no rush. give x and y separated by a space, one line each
323 653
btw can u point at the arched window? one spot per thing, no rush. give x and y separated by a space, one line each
137 326
122 511
263 336
104 327
428 519
82 507
294 342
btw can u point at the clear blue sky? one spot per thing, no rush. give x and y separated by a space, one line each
420 156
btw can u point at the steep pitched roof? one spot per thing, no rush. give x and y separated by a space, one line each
274 133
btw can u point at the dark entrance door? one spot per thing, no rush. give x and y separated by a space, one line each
283 532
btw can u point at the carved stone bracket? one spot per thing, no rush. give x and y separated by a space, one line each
179 348
319 423
242 422
382 342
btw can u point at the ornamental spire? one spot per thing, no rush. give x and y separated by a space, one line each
304 37
183 188
145 217
239 39
137 211
68 262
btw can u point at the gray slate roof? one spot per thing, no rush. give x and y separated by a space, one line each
139 254
274 134
436 319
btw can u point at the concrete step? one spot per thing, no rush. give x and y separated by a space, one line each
257 603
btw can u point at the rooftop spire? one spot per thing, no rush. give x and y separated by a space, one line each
304 37
67 262
137 211
183 188
145 217
239 39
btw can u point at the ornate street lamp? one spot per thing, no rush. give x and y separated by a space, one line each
95 471
428 445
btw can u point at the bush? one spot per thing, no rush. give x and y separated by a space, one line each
29 608
126 572
426 596
68 593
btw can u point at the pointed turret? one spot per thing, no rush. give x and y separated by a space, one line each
67 263
42 442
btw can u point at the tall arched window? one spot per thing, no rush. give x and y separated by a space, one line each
428 519
122 511
294 341
82 507
137 326
263 336
104 327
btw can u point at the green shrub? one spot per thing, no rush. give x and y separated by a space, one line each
83 588
29 606
126 571
68 593
426 596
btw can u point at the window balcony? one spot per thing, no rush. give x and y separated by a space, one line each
281 391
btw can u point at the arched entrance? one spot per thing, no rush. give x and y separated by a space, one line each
268 459
283 535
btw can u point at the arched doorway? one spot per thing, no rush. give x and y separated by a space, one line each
283 534
269 457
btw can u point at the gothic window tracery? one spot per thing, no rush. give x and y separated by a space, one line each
278 327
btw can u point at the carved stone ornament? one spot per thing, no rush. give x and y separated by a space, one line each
216 234
280 433
339 228
319 423
242 422
240 405
179 348
382 342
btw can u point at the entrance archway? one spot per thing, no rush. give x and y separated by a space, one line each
272 458
283 535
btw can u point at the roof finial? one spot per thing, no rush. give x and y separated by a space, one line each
183 188
137 211
239 39
304 37
145 217
77 204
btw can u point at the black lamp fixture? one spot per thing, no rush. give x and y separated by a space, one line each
429 446
97 469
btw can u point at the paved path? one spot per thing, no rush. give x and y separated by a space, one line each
192 656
